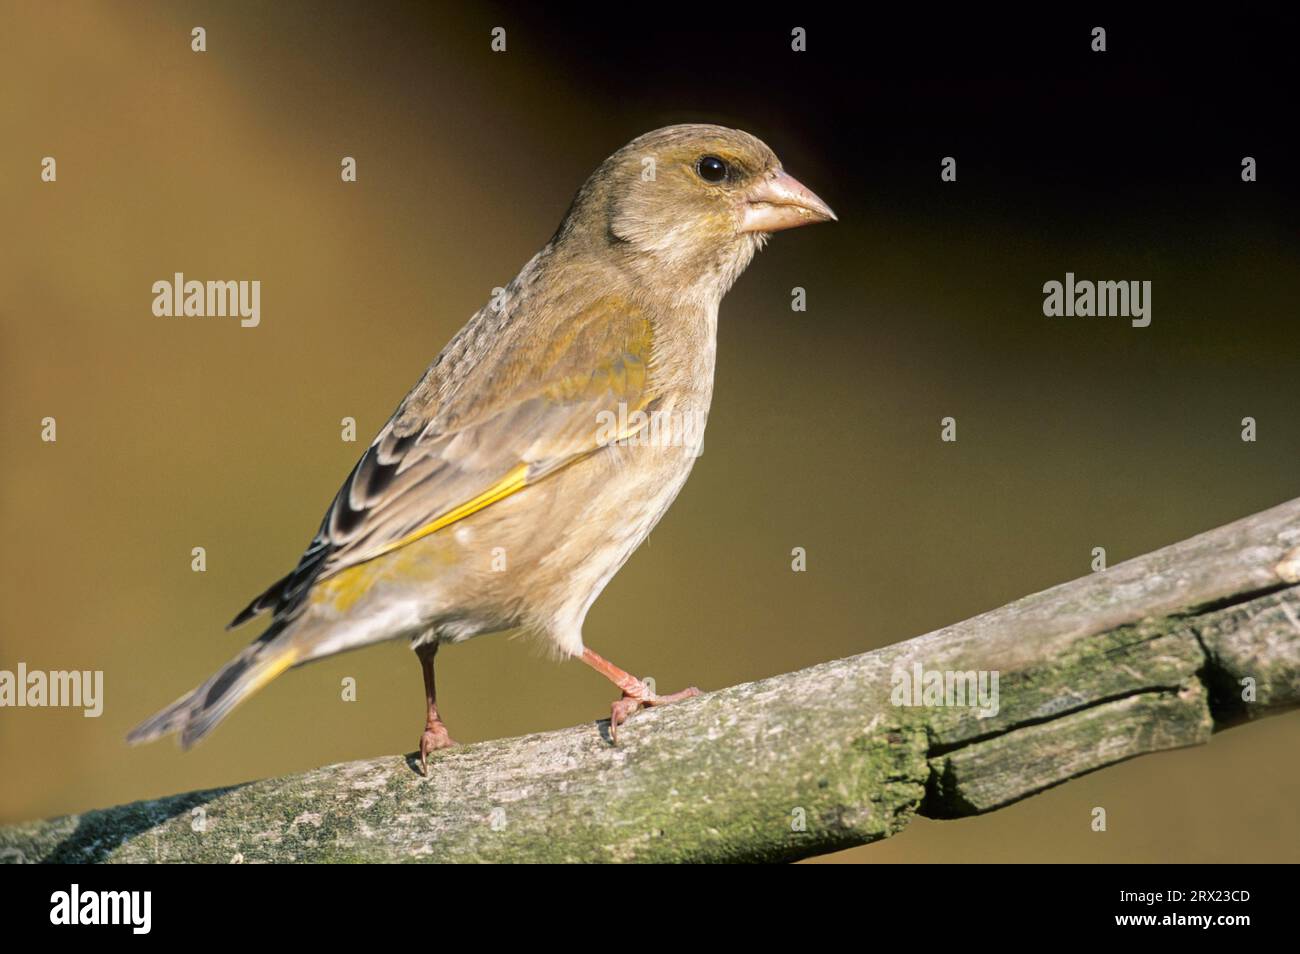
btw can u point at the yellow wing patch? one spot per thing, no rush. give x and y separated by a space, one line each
346 587
507 485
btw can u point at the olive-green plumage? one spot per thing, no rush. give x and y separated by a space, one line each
547 439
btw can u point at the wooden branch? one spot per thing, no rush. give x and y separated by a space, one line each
1153 654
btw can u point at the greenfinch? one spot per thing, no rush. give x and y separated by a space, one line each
545 441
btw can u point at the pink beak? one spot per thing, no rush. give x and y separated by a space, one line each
781 201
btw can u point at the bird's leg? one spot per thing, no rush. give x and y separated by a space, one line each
435 733
636 692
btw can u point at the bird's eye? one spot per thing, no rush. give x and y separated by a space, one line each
711 169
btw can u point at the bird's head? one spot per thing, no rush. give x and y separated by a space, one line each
691 204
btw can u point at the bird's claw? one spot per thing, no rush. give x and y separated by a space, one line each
435 737
622 709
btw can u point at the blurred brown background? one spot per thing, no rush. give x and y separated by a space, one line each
924 301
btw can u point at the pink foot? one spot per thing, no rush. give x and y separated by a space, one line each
633 699
435 737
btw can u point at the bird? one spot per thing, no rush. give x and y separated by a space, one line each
543 443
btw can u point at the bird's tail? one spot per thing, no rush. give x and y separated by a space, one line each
197 713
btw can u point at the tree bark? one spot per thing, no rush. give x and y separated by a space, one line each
1153 654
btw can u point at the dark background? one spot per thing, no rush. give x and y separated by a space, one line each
924 301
